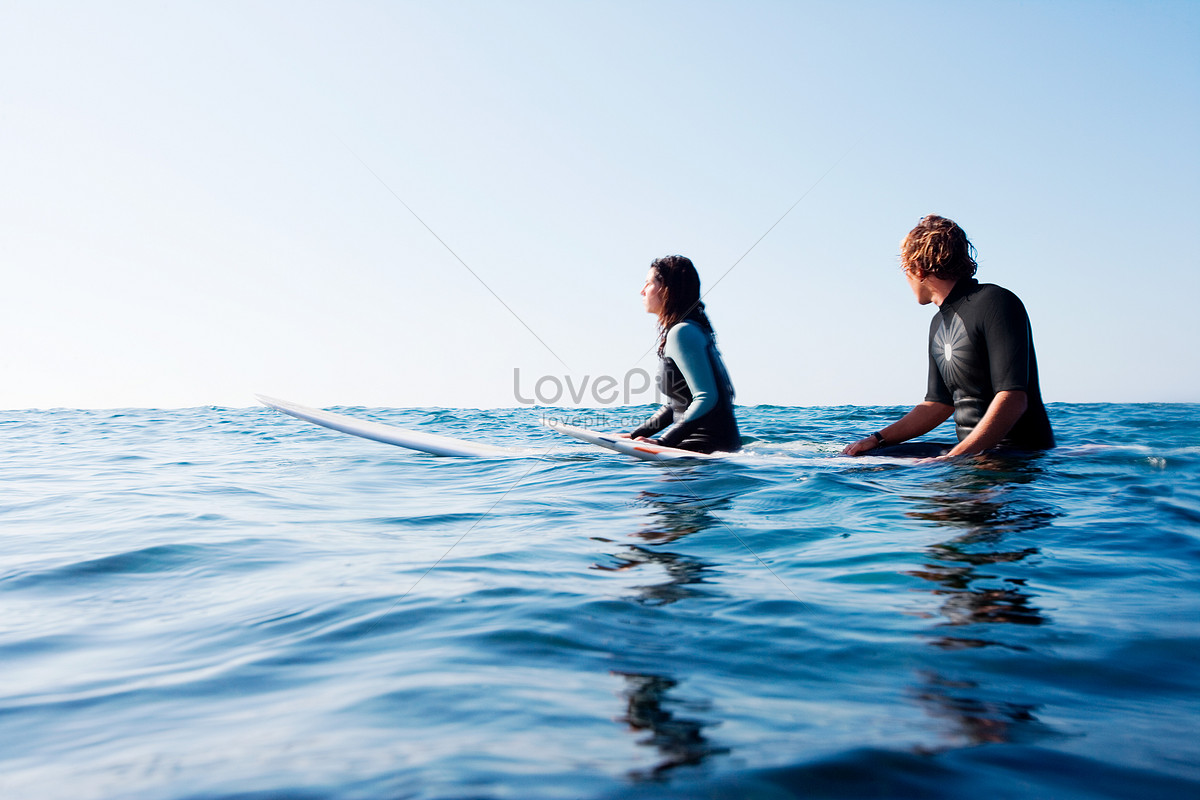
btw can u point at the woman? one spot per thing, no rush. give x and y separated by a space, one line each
699 413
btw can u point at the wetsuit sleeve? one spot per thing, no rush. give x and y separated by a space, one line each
688 345
937 391
661 419
1009 344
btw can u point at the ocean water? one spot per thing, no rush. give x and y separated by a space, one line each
231 603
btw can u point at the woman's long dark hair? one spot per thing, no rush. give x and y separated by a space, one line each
680 294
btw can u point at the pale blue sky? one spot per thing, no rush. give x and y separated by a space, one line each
186 218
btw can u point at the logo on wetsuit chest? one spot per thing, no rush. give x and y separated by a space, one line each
949 348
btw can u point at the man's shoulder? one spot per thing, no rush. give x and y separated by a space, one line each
993 288
990 295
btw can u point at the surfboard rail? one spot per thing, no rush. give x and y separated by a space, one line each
438 445
630 447
420 441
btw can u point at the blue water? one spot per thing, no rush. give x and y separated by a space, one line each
218 603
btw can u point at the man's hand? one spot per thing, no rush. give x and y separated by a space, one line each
860 447
918 422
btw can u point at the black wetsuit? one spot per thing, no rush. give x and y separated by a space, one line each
698 415
980 344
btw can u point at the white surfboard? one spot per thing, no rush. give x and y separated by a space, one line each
388 434
629 447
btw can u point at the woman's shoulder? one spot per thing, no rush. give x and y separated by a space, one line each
687 335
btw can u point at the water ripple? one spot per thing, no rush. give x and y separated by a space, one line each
219 603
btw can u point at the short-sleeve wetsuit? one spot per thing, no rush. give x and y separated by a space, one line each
980 344
699 413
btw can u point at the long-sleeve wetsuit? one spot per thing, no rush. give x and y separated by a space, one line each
699 412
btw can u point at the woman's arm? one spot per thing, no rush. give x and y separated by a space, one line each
688 346
653 424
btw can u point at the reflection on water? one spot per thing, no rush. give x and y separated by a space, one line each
983 505
679 740
677 512
973 719
674 512
682 572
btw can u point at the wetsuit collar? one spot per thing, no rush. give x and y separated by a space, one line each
964 286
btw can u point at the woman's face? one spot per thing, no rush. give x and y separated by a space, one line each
652 293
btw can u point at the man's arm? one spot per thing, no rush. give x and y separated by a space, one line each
921 420
1002 413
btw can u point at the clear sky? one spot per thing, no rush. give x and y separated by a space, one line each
203 200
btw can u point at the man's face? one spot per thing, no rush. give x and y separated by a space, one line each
919 287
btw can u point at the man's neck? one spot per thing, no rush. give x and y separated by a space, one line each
940 289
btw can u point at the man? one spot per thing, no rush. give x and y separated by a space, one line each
982 367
